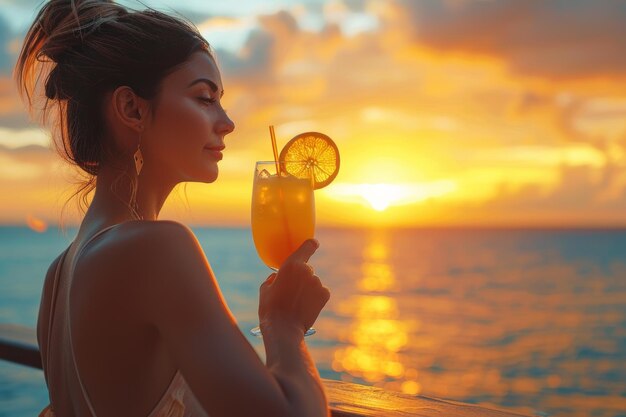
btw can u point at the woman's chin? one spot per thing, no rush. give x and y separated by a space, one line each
206 174
211 176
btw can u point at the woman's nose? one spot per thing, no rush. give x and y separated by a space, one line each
226 124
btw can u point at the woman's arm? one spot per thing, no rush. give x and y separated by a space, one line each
290 302
293 368
180 297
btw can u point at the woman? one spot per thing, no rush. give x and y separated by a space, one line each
132 322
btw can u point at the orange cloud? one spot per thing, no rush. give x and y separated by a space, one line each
404 116
550 38
582 195
12 110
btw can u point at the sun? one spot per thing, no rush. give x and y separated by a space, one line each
381 196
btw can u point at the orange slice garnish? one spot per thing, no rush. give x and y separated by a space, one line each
315 151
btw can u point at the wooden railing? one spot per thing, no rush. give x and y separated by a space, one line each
18 344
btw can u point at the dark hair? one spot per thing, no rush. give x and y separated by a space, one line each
88 48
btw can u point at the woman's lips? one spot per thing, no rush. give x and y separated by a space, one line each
215 153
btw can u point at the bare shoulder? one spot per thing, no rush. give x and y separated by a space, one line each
155 233
140 262
166 228
140 241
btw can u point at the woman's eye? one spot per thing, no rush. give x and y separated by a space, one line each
207 99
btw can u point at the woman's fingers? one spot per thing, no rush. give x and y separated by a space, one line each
295 289
265 285
304 252
269 280
295 272
311 306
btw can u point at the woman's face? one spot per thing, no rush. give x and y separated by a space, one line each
188 120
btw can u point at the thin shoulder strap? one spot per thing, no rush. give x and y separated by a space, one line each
53 300
71 272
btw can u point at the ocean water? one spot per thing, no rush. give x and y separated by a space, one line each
532 321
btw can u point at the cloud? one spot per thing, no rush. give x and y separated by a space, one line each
582 191
404 113
251 65
28 163
6 58
13 112
19 138
356 5
255 63
549 38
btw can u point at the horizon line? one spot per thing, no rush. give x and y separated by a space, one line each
529 226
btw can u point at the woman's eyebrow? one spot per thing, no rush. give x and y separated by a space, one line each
206 81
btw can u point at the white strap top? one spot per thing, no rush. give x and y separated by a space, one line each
177 400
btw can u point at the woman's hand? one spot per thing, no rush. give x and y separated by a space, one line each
295 295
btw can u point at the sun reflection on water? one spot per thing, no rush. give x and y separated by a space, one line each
377 335
528 320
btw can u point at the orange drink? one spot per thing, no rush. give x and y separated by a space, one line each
283 207
283 213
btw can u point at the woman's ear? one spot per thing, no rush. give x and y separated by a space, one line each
129 108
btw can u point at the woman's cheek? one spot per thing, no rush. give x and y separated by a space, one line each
181 118
197 117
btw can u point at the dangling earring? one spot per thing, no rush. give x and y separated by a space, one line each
138 158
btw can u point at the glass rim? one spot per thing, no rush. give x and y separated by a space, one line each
273 164
269 162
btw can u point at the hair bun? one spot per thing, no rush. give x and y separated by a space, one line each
65 27
67 24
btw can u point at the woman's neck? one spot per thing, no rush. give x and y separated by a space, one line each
114 194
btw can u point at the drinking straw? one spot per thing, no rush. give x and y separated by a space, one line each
281 191
275 149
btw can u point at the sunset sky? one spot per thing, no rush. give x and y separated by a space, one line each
472 113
